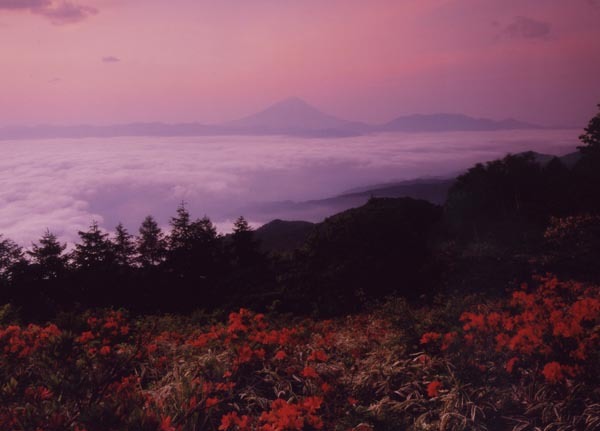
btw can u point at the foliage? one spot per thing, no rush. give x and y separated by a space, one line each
49 257
591 137
361 254
588 167
527 361
508 200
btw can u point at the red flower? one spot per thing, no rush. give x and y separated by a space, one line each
232 419
473 321
86 336
326 388
244 354
510 365
318 355
553 372
309 372
448 340
280 355
428 337
165 424
433 388
210 402
282 416
312 404
228 420
260 353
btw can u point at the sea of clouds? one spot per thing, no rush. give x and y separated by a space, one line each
64 184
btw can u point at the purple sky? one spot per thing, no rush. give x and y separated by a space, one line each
110 61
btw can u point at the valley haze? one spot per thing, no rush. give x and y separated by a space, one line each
64 184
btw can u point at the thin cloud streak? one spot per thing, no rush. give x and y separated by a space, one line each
527 28
58 12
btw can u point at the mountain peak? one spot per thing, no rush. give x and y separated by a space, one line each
291 113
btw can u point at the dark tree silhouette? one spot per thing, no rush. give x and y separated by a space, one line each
503 198
180 244
49 256
365 253
250 276
587 168
204 243
180 235
245 248
151 244
591 137
95 252
11 254
203 231
123 247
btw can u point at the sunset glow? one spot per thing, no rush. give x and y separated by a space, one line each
108 61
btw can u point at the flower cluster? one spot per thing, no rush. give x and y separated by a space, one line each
551 324
21 342
251 372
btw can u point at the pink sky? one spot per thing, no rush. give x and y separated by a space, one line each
109 61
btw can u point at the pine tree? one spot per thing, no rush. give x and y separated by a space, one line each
244 246
10 255
591 137
151 244
203 232
95 250
180 236
123 246
205 247
49 257
587 169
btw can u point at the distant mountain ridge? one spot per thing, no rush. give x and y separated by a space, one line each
451 122
291 117
283 235
434 190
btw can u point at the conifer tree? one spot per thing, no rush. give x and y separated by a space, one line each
244 246
205 247
123 246
95 250
179 238
203 231
10 255
591 137
49 257
587 169
151 243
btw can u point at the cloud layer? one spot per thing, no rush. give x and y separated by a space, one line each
58 12
64 185
528 28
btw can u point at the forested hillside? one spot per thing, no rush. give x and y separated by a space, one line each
481 314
